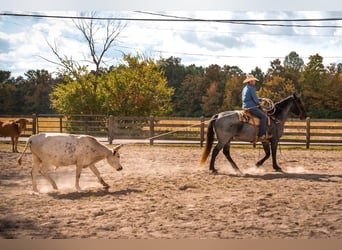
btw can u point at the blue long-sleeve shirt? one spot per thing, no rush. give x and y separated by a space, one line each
249 97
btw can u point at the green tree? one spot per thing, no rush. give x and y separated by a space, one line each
188 103
293 65
180 77
75 95
39 84
211 101
314 84
335 68
26 95
257 72
7 98
276 88
293 62
233 91
214 81
135 87
231 71
276 69
174 71
138 87
333 93
4 76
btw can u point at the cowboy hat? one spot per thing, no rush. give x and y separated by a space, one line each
250 78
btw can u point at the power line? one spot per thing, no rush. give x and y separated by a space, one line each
246 20
256 21
260 22
225 32
220 56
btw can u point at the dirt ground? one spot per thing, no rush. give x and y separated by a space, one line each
162 192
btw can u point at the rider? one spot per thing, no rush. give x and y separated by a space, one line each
251 102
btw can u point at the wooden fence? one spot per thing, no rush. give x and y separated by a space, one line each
175 129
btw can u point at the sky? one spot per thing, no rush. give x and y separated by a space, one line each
24 40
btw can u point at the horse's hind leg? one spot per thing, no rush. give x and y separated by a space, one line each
266 146
215 152
226 152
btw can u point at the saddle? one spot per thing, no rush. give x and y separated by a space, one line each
247 117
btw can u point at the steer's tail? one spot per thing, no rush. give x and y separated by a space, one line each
209 140
22 153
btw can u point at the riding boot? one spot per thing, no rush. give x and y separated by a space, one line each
262 138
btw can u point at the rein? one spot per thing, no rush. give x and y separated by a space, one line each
276 120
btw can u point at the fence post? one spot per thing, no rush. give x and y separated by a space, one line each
202 131
61 124
151 130
307 132
34 124
111 125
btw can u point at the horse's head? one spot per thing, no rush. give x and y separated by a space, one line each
298 107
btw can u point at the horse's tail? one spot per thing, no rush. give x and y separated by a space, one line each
209 141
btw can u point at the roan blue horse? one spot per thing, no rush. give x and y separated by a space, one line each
228 127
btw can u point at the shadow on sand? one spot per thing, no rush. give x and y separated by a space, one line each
91 193
333 178
306 177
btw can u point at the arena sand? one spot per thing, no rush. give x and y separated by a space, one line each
163 193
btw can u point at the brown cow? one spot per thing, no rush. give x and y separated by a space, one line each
13 129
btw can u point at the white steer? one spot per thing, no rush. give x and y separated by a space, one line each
54 149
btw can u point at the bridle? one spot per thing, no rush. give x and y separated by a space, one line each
295 101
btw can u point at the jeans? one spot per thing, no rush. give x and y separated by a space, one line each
262 116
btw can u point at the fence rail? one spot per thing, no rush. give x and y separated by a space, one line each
307 132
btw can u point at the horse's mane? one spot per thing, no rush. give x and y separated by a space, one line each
282 104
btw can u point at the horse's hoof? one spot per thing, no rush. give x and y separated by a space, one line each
238 172
213 171
278 169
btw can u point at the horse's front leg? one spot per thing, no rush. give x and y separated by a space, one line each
266 146
274 146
